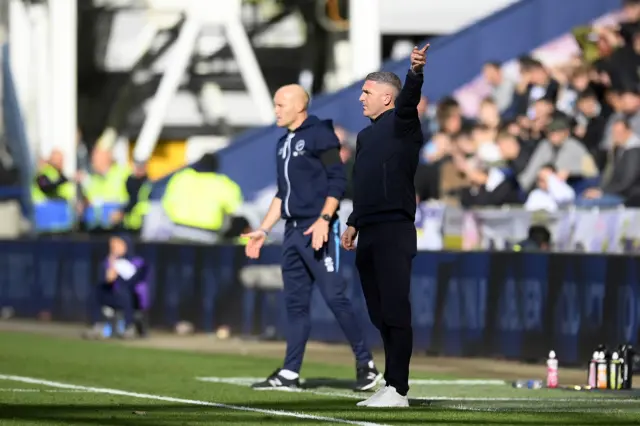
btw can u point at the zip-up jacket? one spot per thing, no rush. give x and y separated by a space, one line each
386 161
309 169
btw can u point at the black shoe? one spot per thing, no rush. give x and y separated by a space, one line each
367 377
276 381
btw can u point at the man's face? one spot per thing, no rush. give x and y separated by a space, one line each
630 103
580 81
620 134
453 123
117 247
285 108
587 106
375 98
491 75
101 160
509 147
56 159
542 109
539 76
631 11
557 137
139 170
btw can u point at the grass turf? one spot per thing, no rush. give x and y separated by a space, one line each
167 373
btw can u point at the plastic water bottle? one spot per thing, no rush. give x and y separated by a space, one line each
615 371
602 376
591 377
552 370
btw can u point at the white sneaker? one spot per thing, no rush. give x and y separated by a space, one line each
372 398
390 398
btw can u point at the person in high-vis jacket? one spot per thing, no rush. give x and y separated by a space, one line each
50 183
200 202
107 183
138 189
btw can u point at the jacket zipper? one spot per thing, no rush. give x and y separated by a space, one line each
287 157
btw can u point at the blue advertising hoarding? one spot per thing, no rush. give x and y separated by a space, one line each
511 305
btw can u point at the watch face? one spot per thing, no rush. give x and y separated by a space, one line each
326 217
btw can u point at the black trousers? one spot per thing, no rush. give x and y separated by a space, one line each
384 255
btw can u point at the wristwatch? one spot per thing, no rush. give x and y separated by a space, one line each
326 217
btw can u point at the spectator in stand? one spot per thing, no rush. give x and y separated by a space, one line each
51 183
436 149
539 239
621 178
347 150
502 89
138 188
449 116
631 17
489 114
551 192
627 105
535 84
514 152
567 155
591 120
426 113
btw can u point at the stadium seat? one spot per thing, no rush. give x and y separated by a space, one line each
98 216
53 216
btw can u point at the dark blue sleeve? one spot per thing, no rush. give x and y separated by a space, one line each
280 192
326 142
409 97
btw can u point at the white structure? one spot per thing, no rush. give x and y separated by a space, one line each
370 19
198 13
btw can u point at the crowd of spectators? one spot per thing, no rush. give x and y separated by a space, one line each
556 136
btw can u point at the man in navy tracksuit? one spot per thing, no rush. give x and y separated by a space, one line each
311 182
384 208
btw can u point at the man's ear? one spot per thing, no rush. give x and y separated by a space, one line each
387 100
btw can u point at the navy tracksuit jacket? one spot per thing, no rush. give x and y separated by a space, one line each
309 171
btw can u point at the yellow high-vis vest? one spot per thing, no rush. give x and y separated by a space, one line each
133 219
66 191
201 200
110 188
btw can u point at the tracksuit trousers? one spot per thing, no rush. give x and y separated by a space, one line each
384 255
302 266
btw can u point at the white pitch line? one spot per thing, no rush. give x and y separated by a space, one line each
237 381
23 390
108 391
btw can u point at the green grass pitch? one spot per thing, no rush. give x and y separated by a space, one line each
61 381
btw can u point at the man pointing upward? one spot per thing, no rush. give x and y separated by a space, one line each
311 182
384 207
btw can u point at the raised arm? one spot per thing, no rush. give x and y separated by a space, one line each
409 97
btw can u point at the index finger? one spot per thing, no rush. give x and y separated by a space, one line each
425 48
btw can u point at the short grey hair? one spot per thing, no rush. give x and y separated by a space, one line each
386 77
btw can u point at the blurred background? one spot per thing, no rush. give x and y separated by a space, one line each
154 117
530 113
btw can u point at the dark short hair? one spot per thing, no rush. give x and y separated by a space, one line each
587 94
464 133
493 64
481 127
624 121
385 77
539 234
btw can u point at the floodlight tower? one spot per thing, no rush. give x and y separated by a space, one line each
199 13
